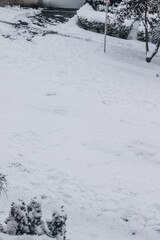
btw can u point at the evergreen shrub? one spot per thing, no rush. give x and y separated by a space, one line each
24 219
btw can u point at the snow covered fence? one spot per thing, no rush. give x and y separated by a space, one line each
24 219
90 19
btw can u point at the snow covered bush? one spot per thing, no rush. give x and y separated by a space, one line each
98 5
121 17
28 220
153 21
147 11
90 19
57 225
16 223
34 217
53 228
3 183
141 32
118 24
156 33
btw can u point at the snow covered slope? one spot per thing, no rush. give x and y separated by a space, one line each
81 128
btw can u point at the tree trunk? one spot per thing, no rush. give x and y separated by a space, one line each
148 59
146 27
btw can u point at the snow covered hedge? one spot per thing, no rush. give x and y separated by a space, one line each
90 19
121 18
118 26
27 219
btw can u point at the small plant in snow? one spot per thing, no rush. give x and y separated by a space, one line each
57 225
16 223
34 216
28 220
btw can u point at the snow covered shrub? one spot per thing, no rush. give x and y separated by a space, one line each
97 4
121 22
57 225
90 19
148 14
141 32
16 223
3 183
156 33
28 220
153 21
34 217
118 24
121 17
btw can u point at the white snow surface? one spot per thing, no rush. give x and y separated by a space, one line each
81 128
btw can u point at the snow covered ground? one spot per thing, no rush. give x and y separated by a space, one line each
80 128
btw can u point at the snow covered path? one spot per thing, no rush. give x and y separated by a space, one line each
81 128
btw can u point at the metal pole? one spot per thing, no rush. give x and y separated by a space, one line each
105 29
